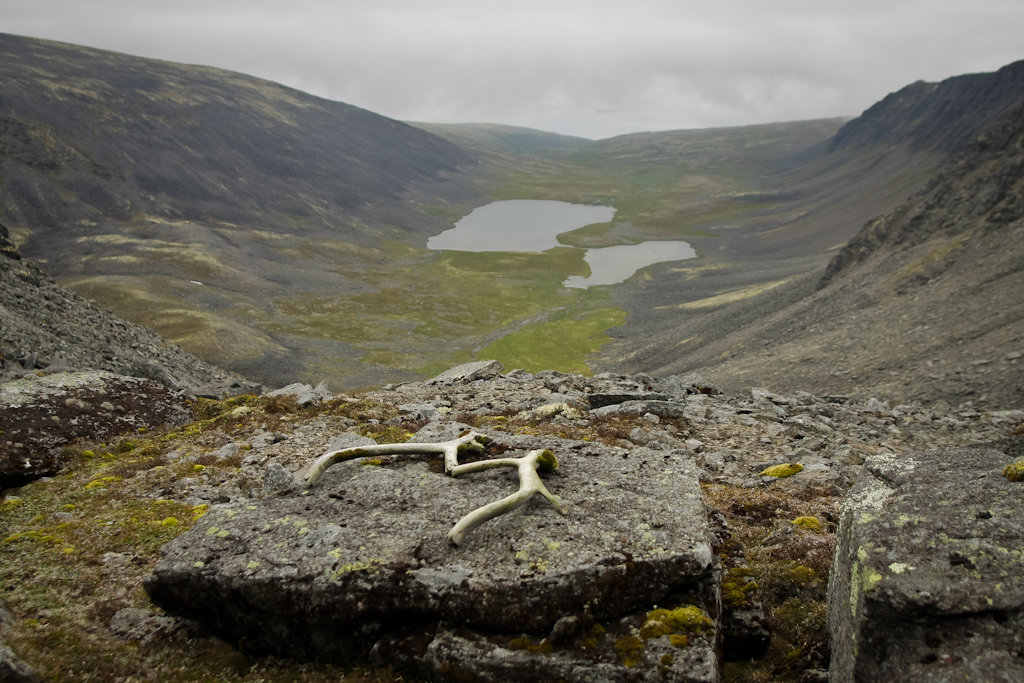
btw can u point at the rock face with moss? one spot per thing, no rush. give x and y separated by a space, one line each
360 562
928 579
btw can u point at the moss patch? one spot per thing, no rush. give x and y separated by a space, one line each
1014 471
780 471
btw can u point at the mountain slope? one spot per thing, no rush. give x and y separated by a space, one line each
46 326
923 304
201 202
122 135
943 116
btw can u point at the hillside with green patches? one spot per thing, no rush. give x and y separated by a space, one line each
283 236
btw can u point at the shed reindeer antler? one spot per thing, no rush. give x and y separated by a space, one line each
470 441
529 466
529 483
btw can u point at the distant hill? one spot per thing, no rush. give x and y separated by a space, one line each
495 137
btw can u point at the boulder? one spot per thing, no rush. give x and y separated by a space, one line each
360 563
468 372
38 415
304 394
928 577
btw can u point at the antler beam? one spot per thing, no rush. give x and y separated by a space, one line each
470 441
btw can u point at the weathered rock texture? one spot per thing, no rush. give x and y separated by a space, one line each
38 415
928 579
361 561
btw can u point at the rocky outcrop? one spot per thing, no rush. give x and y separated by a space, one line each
980 190
38 415
360 565
927 583
645 577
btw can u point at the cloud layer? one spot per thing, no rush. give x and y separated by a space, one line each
584 67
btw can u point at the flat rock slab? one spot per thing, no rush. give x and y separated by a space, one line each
363 555
928 579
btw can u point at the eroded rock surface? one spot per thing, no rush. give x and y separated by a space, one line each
928 580
361 559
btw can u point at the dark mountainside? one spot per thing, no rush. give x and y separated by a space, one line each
126 136
920 305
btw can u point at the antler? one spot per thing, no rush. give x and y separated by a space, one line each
470 441
529 483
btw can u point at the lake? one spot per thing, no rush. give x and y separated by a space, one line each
609 265
534 225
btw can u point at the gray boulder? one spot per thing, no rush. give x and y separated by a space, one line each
928 577
361 563
38 415
468 372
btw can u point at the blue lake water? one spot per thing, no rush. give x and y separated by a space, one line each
534 225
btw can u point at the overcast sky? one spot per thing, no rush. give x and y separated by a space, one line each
593 68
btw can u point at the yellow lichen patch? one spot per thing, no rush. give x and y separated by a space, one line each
809 523
593 637
785 470
371 567
547 462
680 621
1015 470
630 649
737 585
102 481
679 640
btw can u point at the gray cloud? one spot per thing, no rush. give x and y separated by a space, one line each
585 67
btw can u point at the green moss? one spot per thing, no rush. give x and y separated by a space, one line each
1015 470
562 342
685 620
737 586
547 462
809 523
780 471
630 650
385 434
